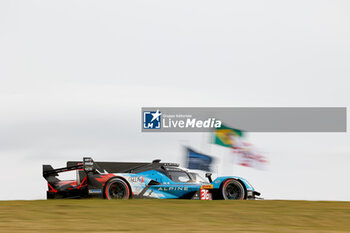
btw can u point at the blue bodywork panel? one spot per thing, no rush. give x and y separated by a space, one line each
165 188
218 181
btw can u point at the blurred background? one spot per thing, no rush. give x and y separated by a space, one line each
75 74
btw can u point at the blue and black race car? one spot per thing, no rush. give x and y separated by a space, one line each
120 180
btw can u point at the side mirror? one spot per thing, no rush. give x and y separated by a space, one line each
208 175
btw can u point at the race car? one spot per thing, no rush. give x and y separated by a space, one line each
120 180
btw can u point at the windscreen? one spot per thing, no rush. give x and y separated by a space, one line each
197 178
179 176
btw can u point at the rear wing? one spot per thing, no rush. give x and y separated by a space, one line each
50 174
87 165
49 171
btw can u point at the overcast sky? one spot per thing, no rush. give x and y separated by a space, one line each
75 74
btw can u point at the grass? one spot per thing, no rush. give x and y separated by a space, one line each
173 216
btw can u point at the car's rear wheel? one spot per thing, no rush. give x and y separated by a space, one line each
117 189
233 190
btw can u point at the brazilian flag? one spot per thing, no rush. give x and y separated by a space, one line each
224 136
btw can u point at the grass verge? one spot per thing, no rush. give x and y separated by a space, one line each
173 216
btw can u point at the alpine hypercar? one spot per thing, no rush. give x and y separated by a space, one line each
121 180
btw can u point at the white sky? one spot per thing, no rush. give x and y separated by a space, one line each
75 74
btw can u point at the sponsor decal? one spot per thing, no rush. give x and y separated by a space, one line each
168 189
136 179
207 186
88 164
95 191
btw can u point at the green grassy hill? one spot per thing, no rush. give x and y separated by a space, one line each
173 216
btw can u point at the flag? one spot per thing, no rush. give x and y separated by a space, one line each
225 136
198 161
248 156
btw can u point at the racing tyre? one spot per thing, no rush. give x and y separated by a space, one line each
117 189
233 190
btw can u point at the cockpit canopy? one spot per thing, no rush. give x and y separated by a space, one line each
181 176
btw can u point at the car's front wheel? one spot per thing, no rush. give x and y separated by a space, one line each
233 190
117 189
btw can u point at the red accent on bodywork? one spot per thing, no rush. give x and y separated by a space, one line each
52 189
83 183
103 178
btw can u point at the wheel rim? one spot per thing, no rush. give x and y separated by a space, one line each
117 190
233 191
